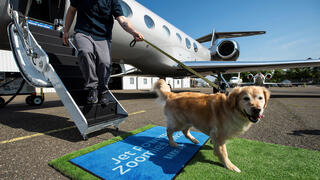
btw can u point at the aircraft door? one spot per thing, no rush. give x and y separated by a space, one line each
44 10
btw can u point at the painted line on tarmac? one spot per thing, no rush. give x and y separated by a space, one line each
52 131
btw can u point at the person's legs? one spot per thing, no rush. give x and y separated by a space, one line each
87 64
103 65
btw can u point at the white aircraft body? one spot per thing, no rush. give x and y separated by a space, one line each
221 57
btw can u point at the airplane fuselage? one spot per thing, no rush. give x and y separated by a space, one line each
146 58
160 33
259 79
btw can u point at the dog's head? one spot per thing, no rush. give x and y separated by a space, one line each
161 85
250 101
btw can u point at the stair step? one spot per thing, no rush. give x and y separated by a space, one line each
96 112
45 31
60 59
73 83
50 48
43 38
65 71
108 118
79 96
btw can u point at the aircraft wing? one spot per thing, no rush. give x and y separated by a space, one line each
221 35
244 66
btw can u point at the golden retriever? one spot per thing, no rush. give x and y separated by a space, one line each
219 116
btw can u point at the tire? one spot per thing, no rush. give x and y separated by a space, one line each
37 100
2 102
29 100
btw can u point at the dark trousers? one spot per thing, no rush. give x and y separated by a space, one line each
94 61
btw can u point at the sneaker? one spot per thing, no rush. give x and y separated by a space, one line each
93 96
104 99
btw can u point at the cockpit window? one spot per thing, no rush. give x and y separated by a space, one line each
127 12
188 43
179 37
166 29
149 22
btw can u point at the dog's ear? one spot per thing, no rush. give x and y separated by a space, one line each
266 97
233 97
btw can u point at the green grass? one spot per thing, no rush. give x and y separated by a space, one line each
257 160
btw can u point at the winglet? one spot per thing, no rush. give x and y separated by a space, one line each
221 35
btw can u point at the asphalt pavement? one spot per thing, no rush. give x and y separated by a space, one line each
31 136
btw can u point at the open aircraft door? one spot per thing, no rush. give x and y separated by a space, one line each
44 62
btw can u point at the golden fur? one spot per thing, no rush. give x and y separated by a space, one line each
219 116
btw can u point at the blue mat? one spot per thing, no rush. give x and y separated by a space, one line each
146 155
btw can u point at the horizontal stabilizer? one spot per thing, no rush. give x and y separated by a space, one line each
222 35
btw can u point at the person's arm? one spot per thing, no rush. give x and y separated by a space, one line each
68 21
125 24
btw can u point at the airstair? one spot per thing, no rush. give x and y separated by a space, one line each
43 61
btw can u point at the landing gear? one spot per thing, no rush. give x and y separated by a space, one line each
34 100
222 83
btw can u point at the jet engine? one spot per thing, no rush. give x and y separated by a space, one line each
268 76
226 50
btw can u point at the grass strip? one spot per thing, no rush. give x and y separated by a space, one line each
256 160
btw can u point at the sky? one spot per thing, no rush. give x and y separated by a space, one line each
292 26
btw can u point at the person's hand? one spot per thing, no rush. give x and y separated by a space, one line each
138 36
65 38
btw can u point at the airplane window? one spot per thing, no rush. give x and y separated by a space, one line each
149 22
195 47
166 29
179 37
188 43
125 9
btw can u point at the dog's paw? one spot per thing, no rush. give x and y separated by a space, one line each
173 144
233 168
195 141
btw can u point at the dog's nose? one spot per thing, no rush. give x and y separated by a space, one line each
256 110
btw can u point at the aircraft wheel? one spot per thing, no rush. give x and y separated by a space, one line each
37 100
29 100
2 102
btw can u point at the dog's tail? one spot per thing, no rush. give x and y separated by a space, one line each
163 91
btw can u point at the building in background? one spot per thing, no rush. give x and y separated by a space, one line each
145 83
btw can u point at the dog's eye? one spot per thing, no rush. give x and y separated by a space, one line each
260 98
246 98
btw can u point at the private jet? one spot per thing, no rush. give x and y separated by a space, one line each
259 80
32 30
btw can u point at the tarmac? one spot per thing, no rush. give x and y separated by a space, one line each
32 136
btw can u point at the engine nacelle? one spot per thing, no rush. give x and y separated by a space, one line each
250 76
268 76
226 50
